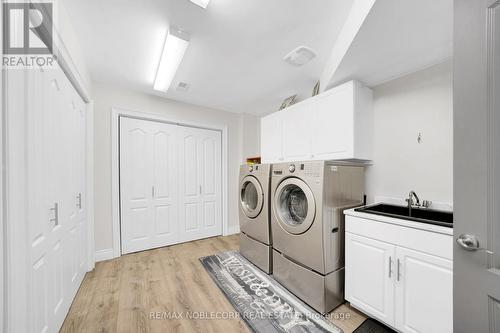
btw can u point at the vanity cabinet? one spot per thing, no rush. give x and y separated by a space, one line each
336 124
369 276
393 279
424 292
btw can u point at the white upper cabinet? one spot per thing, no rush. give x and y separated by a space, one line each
297 123
271 138
336 124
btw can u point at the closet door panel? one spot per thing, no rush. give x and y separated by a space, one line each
136 183
148 182
39 229
211 181
55 238
80 198
200 188
164 183
190 185
170 183
57 194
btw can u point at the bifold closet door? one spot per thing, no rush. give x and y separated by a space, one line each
200 191
148 169
170 184
57 237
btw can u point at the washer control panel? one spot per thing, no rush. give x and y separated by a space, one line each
298 169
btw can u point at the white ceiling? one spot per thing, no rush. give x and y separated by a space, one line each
234 60
396 38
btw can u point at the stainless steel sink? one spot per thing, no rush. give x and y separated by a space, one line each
423 215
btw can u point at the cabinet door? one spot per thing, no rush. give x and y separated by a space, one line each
271 138
369 276
332 135
296 129
424 292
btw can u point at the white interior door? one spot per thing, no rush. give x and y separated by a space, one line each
148 184
200 170
55 172
476 166
170 184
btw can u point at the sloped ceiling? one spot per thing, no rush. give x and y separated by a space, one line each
234 60
396 38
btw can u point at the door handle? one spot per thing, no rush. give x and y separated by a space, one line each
390 266
470 243
153 191
55 209
397 273
79 203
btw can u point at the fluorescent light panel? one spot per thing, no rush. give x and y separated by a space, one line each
201 3
175 46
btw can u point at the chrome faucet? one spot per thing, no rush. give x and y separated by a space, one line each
410 201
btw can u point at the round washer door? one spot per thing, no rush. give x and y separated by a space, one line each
294 206
251 196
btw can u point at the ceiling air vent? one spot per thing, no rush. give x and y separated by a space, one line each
300 56
182 86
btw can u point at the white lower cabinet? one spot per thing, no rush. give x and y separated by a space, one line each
407 289
424 292
369 276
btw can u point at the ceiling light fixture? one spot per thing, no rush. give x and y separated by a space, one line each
174 48
201 3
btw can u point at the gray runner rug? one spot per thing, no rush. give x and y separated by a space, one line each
261 301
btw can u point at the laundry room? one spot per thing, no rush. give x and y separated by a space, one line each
250 166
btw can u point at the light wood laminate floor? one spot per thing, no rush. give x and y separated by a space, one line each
119 295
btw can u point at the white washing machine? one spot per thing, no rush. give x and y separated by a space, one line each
255 236
307 222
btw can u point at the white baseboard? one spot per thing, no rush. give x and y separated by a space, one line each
101 255
235 229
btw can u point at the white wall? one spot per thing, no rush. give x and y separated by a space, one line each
419 102
71 44
106 97
250 136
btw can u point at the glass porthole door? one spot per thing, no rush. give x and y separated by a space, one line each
294 206
251 196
